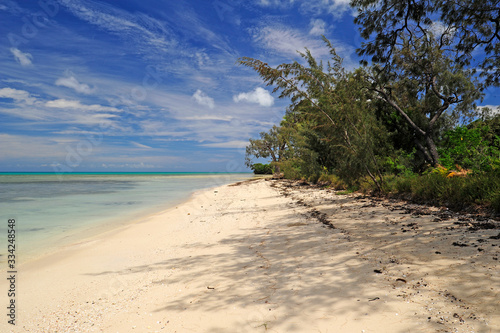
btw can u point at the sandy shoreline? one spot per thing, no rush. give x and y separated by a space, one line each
261 256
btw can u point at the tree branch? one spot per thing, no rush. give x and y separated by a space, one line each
386 98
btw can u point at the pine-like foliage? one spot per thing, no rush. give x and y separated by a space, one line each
463 26
337 107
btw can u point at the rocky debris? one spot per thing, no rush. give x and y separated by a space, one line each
465 240
278 175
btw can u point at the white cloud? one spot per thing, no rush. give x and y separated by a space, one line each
489 106
287 41
148 34
141 165
140 145
275 3
493 109
337 8
439 30
19 146
59 111
207 117
12 7
194 25
318 27
59 152
72 82
203 99
23 82
202 59
228 144
179 117
259 96
72 104
23 58
17 95
155 128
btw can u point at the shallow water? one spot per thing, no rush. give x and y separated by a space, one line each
53 210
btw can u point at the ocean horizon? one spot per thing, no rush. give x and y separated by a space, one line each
53 210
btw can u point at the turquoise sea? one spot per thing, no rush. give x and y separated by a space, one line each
53 210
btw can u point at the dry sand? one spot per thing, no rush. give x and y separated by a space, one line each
271 256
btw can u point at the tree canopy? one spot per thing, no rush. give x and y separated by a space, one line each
272 143
334 103
407 120
463 26
421 85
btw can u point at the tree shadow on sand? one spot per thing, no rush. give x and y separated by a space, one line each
294 267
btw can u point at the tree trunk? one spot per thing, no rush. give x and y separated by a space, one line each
379 188
423 150
429 151
431 147
276 164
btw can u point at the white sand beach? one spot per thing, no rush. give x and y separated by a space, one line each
269 256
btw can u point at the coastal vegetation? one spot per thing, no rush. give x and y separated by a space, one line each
262 169
406 121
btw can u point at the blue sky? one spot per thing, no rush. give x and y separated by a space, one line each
150 85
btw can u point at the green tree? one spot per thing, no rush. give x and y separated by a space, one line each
311 154
476 146
463 26
333 100
273 143
262 169
469 149
421 85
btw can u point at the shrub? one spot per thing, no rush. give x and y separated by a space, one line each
262 169
291 170
400 163
470 149
332 180
457 192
